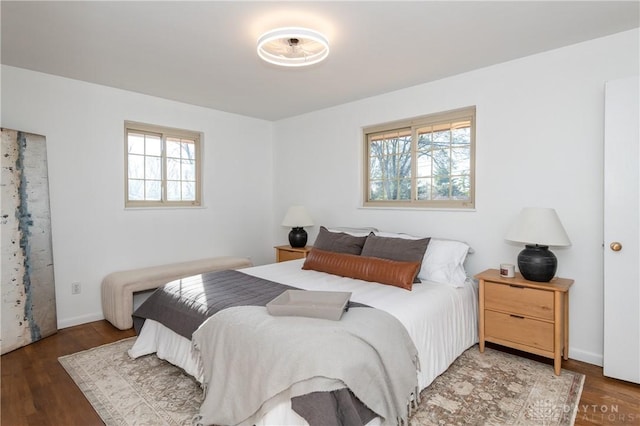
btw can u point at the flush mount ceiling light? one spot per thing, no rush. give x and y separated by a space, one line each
293 47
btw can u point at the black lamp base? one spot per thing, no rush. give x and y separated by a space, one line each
298 237
537 263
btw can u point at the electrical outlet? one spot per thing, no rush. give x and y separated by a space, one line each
75 288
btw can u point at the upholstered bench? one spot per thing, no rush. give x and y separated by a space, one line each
118 287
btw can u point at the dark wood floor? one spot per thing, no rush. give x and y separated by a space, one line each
36 390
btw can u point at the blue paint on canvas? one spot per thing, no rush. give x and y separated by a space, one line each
25 222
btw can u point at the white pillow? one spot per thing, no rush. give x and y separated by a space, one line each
443 262
397 235
356 232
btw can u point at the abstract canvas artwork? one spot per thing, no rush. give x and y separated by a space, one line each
28 290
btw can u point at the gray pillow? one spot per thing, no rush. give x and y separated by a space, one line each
338 242
399 249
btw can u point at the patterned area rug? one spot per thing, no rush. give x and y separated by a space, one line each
493 388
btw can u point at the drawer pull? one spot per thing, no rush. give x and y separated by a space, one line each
516 316
516 286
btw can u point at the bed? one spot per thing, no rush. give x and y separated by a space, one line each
440 315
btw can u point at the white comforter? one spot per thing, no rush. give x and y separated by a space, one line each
441 320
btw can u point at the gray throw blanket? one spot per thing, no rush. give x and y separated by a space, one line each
182 305
249 358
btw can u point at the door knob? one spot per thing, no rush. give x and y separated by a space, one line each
615 246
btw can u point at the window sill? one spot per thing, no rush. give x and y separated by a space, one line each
165 208
430 209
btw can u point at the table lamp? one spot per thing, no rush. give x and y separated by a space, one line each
297 217
538 228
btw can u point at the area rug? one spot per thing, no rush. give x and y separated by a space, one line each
490 388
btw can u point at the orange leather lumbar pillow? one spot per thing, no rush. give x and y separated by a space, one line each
384 271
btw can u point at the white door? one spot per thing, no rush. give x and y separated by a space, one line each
622 230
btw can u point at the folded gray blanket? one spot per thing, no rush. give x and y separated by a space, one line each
182 305
250 358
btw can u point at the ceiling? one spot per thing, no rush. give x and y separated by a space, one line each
204 52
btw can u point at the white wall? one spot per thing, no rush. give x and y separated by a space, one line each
93 234
539 143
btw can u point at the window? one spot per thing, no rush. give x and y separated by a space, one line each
422 162
162 166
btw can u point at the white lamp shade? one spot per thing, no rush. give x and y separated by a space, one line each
297 217
542 226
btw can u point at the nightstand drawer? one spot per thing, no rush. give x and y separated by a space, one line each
519 300
285 253
290 255
518 329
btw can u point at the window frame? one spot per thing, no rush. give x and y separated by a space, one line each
164 133
412 125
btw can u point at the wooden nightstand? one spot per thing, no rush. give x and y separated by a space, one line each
525 315
284 253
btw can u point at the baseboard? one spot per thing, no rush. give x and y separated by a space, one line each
584 356
70 322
